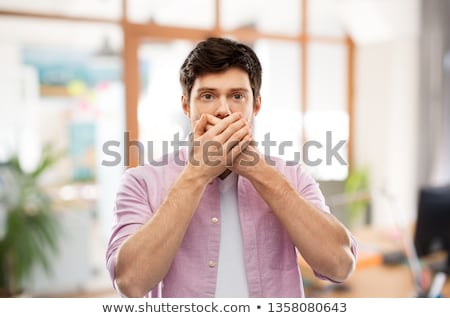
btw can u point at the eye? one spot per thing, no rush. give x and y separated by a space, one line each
238 96
207 96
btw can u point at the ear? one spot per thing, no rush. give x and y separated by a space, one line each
257 106
185 106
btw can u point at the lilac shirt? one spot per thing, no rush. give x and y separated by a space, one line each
270 256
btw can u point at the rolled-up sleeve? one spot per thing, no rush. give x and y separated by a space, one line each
309 189
132 209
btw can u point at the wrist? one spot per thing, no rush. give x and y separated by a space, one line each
195 176
262 173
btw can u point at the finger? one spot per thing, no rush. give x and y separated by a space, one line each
223 124
200 126
236 139
235 133
248 143
213 120
238 149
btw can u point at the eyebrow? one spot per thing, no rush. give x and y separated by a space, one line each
240 89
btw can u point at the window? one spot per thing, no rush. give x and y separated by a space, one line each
306 63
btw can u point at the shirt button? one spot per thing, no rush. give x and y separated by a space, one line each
214 220
212 264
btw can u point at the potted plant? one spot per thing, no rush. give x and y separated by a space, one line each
356 187
28 227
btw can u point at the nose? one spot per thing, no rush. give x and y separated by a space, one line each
223 109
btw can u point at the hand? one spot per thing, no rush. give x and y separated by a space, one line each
216 142
248 160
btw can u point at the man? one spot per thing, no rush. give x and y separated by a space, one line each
226 222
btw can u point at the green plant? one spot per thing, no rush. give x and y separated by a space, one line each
357 187
31 230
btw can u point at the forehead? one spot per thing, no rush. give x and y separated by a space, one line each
231 78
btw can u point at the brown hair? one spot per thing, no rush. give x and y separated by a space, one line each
215 55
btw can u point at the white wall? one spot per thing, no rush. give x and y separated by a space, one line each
387 106
386 128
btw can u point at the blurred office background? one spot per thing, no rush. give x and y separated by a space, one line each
79 74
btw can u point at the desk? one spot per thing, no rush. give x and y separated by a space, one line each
375 280
380 281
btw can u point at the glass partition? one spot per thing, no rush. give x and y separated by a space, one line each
178 13
160 115
324 18
280 116
104 9
63 88
272 17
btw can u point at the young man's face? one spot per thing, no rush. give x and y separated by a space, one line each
221 94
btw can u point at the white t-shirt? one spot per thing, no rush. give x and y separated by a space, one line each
231 276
